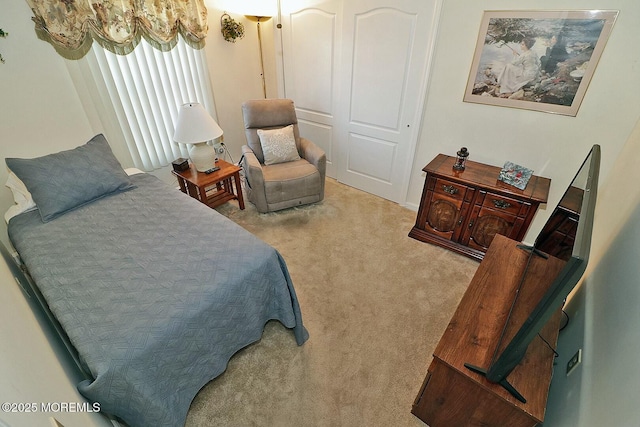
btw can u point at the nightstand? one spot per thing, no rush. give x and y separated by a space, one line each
215 188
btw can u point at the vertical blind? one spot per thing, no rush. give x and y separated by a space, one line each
146 89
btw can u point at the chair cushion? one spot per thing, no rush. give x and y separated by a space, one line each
291 180
278 145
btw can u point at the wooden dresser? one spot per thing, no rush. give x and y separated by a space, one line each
463 210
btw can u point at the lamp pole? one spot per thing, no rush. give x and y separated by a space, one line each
258 19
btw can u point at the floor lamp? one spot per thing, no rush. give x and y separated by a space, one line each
259 19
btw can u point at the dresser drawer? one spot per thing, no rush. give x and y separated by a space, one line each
450 189
501 203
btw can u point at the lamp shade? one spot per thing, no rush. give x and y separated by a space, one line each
262 8
195 125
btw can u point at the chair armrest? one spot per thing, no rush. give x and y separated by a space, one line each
254 178
252 168
314 155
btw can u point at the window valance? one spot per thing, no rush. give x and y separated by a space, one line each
117 25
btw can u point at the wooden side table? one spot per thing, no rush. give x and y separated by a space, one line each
215 188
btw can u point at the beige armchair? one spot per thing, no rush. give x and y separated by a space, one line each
280 185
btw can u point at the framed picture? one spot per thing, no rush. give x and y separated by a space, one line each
537 60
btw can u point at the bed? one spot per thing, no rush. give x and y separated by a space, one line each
154 290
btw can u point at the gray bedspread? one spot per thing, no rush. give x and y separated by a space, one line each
156 291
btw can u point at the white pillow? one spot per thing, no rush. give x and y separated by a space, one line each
21 196
278 145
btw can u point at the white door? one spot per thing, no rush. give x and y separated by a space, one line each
311 37
357 72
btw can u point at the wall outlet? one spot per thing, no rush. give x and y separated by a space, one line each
574 361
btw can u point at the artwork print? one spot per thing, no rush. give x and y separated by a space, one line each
537 60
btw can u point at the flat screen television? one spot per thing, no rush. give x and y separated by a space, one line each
566 236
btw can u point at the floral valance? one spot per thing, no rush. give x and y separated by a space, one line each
118 25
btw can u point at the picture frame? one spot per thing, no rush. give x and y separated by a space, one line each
537 60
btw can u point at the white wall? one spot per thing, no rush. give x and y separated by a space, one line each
552 145
235 70
40 113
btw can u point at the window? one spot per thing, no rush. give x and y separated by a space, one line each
145 89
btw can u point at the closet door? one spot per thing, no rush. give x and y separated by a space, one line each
311 40
384 76
357 72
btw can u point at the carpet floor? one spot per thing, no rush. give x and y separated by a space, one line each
375 303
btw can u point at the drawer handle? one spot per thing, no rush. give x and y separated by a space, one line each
450 189
501 204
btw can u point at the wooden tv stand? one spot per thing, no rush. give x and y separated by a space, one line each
452 395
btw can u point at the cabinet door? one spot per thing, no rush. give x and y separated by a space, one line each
445 216
485 223
447 204
494 214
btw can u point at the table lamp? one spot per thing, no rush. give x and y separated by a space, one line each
195 127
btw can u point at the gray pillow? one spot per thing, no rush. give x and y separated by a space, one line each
69 179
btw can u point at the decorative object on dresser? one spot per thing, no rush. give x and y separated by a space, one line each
463 210
196 127
461 159
515 175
